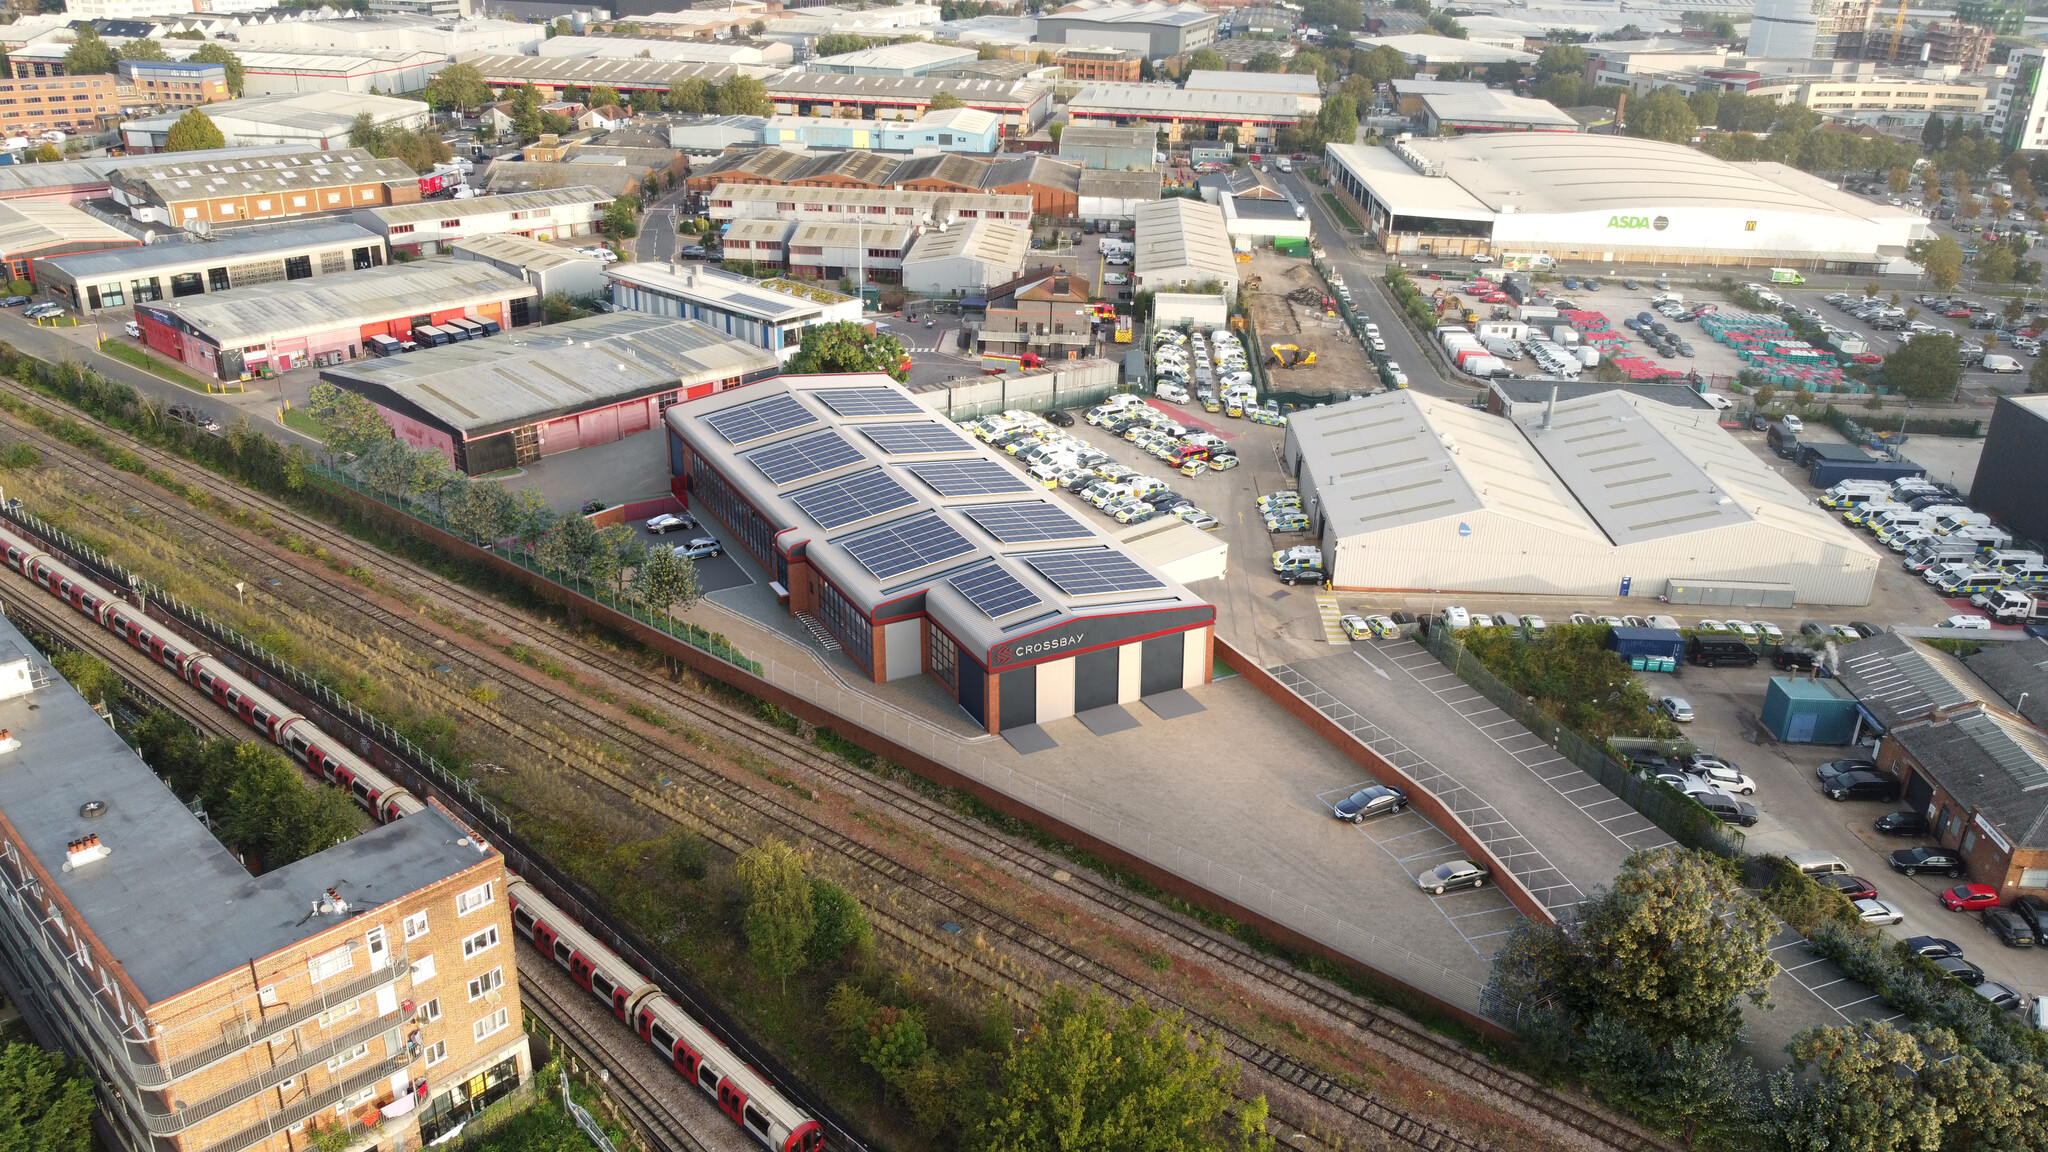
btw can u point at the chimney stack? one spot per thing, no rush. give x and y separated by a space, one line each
83 851
1550 408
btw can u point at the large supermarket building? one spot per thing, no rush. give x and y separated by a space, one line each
1614 200
924 552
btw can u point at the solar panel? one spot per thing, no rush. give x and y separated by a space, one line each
969 477
902 439
803 458
994 591
750 422
837 503
851 402
1093 571
906 545
1025 523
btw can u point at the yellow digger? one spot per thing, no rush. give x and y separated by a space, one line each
1291 356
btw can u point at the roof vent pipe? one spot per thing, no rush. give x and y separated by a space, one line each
1550 408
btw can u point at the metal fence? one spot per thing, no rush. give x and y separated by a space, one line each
1665 806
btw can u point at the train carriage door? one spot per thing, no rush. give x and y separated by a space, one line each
687 1059
580 969
731 1100
619 1003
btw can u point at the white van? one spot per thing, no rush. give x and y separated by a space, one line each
1996 363
1111 245
1950 522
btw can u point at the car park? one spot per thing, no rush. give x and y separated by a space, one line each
1456 874
2011 930
1969 897
1377 800
670 522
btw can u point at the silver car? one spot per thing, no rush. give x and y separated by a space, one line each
1456 874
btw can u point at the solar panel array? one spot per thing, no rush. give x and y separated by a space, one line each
969 477
1093 571
902 439
850 499
851 402
906 545
805 457
994 591
751 422
1026 523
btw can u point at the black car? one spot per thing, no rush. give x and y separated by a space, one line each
1368 802
1728 808
693 251
1903 824
2034 910
1957 968
1932 947
1795 658
1913 861
1865 627
2006 924
1059 418
1302 576
1862 786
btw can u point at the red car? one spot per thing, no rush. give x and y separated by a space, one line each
1867 358
1969 897
1495 298
1957 313
1854 887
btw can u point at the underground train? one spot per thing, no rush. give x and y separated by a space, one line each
300 737
696 1055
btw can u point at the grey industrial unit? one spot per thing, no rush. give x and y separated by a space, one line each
921 550
97 281
1110 148
2013 471
548 267
1156 30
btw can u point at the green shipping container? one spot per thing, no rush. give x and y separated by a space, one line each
1292 245
1801 711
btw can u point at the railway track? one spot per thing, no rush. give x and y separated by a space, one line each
1388 1033
33 611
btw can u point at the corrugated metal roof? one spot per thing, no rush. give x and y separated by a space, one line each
28 226
1183 233
246 316
1628 474
524 251
573 196
1899 681
235 245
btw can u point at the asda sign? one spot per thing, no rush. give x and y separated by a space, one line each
1658 223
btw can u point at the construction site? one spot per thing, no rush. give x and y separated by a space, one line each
1301 337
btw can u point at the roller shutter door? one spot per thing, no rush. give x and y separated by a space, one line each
599 426
560 436
1163 660
1019 698
1095 676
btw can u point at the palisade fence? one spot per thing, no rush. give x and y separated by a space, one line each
1665 806
816 685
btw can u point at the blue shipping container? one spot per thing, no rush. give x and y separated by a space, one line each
1646 642
1828 473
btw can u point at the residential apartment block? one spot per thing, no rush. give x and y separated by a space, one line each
175 82
369 987
69 104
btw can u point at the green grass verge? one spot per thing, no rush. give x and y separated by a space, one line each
300 420
152 365
1342 213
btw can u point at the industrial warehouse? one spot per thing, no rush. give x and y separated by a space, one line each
1600 495
493 404
1614 199
922 551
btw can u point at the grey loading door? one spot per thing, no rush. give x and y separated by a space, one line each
1019 691
1095 679
1163 663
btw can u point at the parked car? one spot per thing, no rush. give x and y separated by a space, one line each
1968 622
670 522
1874 911
132 328
1302 576
1913 861
1903 823
700 548
1862 786
2011 930
1931 947
1854 887
14 301
1999 995
1969 897
1456 874
2034 910
1958 969
1677 708
1378 800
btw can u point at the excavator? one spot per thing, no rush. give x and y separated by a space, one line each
1292 356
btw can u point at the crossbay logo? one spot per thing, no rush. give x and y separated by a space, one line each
1025 651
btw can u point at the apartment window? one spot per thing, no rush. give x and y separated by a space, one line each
415 925
340 1012
473 899
331 964
343 1059
437 1052
490 981
491 1025
483 941
423 969
882 254
430 1011
401 229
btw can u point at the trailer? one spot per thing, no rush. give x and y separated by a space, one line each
1827 473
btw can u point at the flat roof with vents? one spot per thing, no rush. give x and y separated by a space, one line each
481 387
903 515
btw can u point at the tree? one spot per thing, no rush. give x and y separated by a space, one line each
362 131
1383 63
46 153
886 1038
399 469
532 516
89 55
1504 73
1090 1077
603 96
1663 115
569 548
665 582
90 675
46 1104
1263 62
194 131
353 423
943 101
142 48
1562 59
778 919
1673 945
1943 259
690 94
217 54
1444 24
848 346
481 512
458 86
619 221
1996 264
1207 60
840 43
743 95
1337 123
1864 1092
1705 105
1686 1087
841 925
1927 368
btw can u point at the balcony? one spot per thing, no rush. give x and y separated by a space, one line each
308 1107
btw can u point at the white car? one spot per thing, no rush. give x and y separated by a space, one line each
1969 621
1771 632
1113 278
1457 618
1668 623
1744 630
1873 911
1721 403
1792 423
132 328
1482 620
1482 258
1677 708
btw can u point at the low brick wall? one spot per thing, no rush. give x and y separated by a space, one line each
1379 769
637 510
